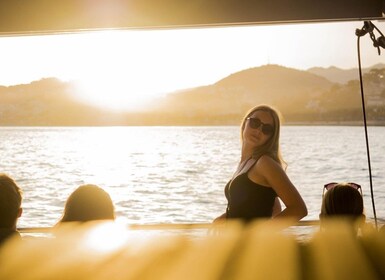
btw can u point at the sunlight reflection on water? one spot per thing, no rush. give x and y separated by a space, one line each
175 174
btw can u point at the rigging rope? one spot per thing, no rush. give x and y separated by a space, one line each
380 42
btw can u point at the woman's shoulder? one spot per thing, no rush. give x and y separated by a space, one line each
265 158
267 161
265 167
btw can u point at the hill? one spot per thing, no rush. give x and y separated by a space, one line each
47 102
342 76
301 96
227 100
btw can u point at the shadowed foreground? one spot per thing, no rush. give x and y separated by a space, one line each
260 251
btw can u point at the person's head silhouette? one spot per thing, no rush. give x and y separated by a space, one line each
88 203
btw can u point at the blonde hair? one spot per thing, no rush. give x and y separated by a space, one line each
271 147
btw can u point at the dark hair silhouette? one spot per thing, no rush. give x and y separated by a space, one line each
88 203
342 200
10 201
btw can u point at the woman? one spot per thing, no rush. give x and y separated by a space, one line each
342 199
10 208
88 203
260 178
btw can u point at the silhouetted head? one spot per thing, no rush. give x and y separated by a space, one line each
88 203
271 146
10 202
342 199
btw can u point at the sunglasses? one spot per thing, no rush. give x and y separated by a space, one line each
266 128
329 186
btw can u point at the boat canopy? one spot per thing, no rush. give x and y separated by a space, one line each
19 17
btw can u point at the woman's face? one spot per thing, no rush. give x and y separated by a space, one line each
259 127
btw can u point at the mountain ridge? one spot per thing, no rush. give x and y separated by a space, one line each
342 76
301 96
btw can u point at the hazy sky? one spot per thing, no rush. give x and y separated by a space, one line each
123 68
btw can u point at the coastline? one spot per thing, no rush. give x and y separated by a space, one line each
335 123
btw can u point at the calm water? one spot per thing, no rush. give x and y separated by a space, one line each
176 174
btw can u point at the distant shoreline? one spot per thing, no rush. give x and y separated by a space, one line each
336 123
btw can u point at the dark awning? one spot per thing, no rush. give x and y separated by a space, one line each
47 16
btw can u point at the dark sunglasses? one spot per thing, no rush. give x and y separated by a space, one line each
255 123
329 186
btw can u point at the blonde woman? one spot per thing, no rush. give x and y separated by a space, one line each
260 178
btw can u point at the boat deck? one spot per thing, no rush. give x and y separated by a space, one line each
262 250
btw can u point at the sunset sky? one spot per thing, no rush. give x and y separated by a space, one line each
122 69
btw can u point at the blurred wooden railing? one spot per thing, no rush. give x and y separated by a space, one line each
161 226
260 250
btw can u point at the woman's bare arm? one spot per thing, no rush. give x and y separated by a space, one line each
276 177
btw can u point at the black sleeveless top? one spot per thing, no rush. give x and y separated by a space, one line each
248 200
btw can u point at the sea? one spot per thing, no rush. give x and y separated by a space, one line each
177 174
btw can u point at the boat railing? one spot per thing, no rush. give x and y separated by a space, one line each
252 252
161 226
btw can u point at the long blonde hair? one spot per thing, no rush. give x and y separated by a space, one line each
271 147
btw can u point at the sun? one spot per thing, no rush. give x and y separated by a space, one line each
110 71
112 93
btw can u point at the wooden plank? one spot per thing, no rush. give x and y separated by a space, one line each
373 242
266 253
336 253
